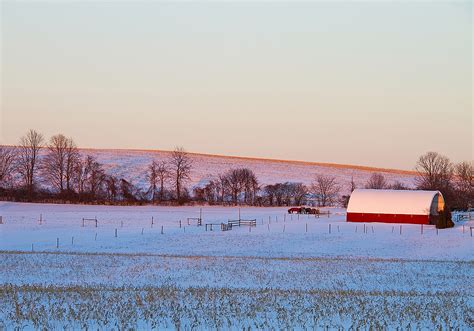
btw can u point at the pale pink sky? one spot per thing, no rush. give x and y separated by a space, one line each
361 83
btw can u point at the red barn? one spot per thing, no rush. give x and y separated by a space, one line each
395 206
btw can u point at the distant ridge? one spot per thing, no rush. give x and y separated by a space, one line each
248 158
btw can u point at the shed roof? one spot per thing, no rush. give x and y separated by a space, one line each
403 202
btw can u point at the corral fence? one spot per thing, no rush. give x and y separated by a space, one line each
84 220
252 223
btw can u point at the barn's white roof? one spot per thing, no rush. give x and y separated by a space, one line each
403 202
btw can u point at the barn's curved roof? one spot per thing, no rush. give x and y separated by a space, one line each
403 202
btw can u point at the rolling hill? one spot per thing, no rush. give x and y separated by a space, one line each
132 165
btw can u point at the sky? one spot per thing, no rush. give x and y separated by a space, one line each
367 83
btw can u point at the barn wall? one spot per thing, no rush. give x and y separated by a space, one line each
388 218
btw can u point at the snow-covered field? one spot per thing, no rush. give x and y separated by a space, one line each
132 165
287 272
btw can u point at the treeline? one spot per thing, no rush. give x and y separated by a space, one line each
56 171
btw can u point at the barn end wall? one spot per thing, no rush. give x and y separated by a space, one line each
388 218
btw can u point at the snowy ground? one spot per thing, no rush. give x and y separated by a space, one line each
300 262
132 165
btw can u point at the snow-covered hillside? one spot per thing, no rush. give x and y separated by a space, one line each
132 165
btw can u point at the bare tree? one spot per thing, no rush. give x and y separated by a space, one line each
344 199
163 174
181 165
326 190
72 158
111 187
249 185
464 184
7 159
96 176
464 176
376 181
352 185
234 183
90 177
221 187
299 192
211 192
28 154
152 177
59 162
435 172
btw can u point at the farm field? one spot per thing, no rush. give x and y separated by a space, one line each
287 272
132 165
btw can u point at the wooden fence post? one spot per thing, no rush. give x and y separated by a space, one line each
72 241
162 229
115 233
329 228
57 242
306 228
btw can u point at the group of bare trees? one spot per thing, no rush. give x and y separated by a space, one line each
236 186
454 181
39 169
174 172
56 164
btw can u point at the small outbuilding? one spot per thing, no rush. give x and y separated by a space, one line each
395 206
